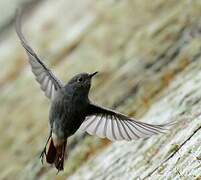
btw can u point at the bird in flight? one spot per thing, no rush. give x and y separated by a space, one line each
71 110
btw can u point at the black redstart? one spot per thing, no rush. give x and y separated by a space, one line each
71 110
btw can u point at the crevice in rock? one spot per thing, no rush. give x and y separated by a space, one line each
171 155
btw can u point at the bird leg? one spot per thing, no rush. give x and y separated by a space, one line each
44 149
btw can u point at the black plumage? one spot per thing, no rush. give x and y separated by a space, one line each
71 110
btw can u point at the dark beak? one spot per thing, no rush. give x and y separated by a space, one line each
93 74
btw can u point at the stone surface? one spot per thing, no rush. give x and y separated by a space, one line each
148 55
171 156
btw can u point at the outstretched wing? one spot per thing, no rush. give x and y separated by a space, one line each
47 80
116 126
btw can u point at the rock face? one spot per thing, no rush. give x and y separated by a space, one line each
174 155
149 56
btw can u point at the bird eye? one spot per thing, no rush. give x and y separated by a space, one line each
80 79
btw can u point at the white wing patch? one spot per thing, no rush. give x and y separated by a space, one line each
115 129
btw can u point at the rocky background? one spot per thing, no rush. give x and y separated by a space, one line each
149 57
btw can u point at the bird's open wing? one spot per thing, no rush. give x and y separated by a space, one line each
116 126
48 82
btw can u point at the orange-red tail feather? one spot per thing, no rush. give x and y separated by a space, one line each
51 153
56 155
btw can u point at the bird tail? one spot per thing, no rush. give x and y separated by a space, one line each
56 154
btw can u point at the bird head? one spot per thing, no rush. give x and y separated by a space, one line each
82 81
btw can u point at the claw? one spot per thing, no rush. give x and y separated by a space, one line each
44 150
60 166
57 171
42 155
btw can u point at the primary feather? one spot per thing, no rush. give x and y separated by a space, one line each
115 126
47 80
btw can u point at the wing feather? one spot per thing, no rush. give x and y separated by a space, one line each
117 130
131 131
92 127
116 126
109 133
49 83
100 127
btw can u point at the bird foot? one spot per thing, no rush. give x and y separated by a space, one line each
42 155
59 165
